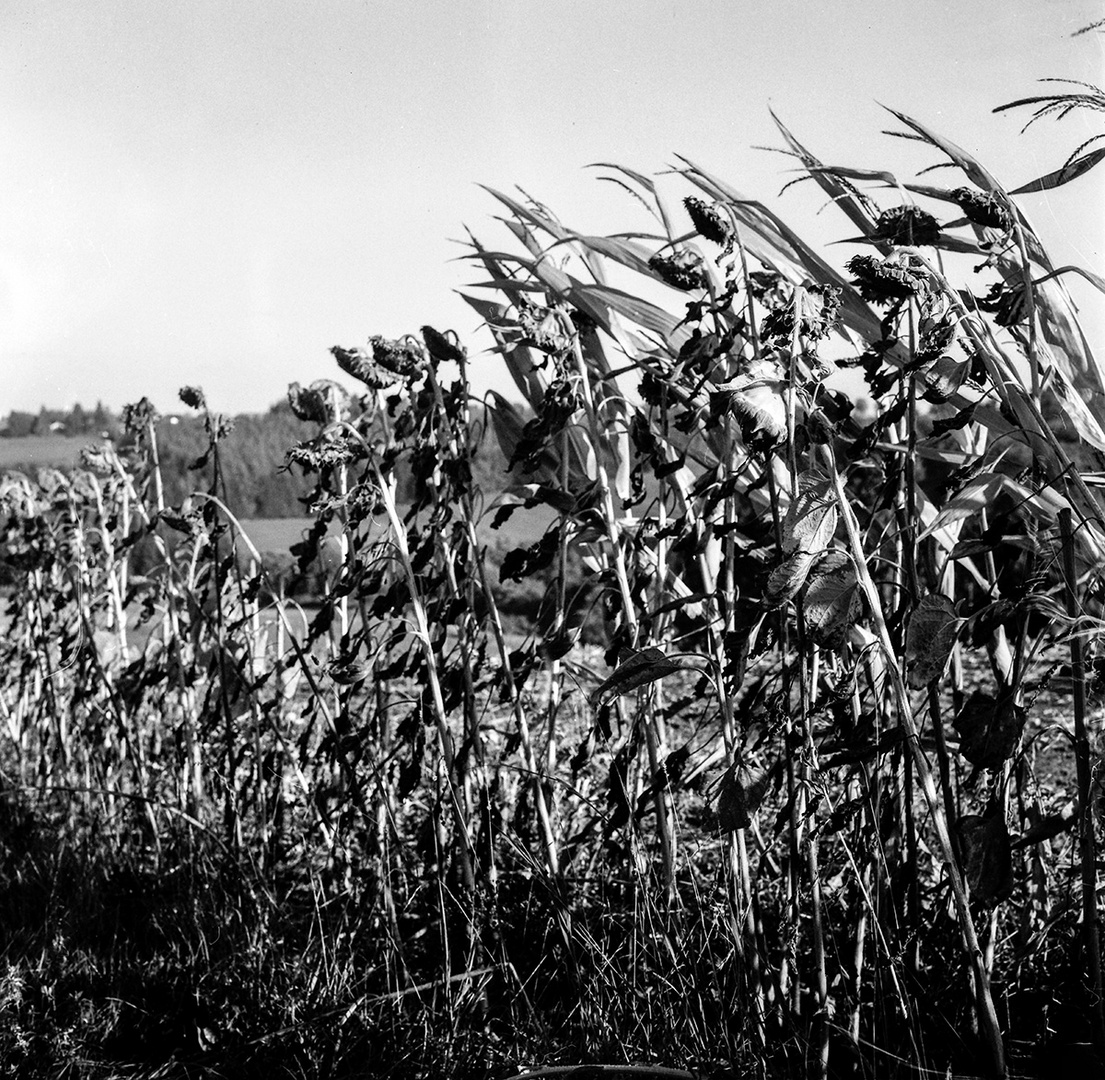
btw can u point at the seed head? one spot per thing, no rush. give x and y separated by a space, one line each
399 357
192 396
884 281
682 271
709 222
440 347
908 225
985 208
308 403
361 366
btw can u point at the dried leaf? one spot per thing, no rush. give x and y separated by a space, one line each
987 856
989 729
933 627
742 791
944 379
761 413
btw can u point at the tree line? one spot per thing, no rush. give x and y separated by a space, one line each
257 481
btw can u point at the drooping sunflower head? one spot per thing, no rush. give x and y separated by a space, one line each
709 221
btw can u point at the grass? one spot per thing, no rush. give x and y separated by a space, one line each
768 784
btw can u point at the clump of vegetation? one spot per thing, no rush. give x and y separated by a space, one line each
796 812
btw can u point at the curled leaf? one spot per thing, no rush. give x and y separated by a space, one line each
755 399
640 669
681 271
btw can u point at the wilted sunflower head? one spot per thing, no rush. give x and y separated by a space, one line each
323 402
886 281
401 358
441 347
709 221
681 271
985 208
193 397
363 368
908 225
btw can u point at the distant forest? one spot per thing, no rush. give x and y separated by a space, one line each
252 455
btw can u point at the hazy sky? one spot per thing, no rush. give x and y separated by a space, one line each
217 191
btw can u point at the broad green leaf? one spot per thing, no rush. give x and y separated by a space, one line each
522 362
508 424
599 300
832 599
1049 827
640 669
933 627
943 381
786 580
811 518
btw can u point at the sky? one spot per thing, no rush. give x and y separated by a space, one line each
214 192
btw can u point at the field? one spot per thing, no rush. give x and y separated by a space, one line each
762 738
41 450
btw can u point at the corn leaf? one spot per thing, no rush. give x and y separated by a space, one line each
847 198
974 172
625 252
1071 171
